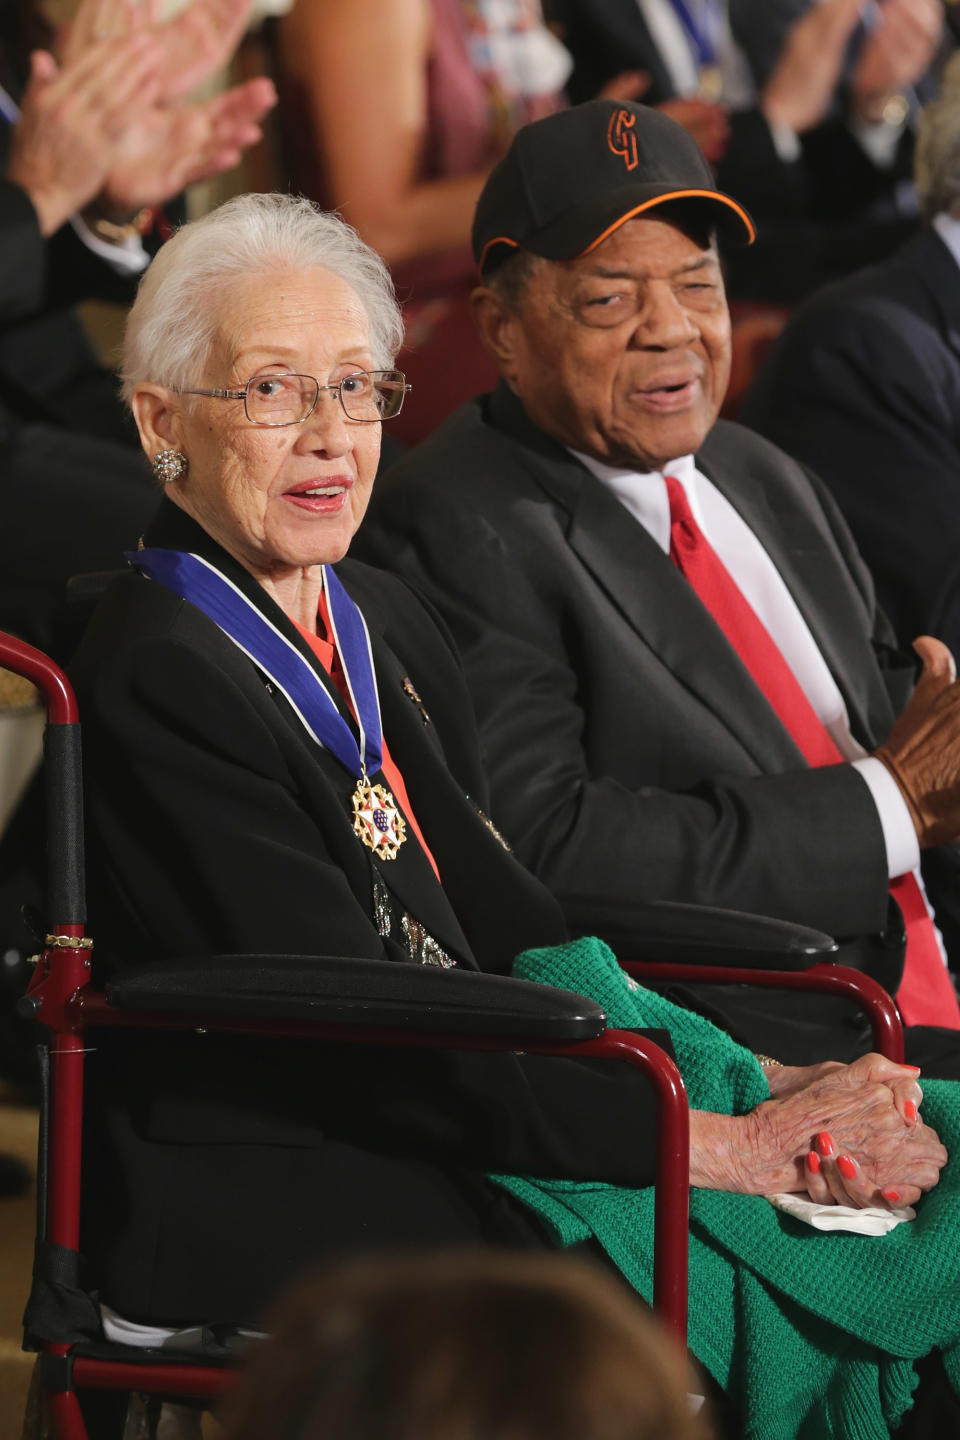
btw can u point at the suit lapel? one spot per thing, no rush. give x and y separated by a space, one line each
667 614
829 602
650 593
930 263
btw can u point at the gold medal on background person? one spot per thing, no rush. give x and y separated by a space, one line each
710 87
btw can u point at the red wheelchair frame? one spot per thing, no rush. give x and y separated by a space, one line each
60 997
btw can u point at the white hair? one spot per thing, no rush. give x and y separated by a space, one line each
173 321
937 161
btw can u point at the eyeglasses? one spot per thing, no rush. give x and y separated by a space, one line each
367 397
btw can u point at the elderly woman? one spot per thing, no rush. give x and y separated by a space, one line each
281 758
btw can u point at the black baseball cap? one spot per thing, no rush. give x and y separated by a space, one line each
569 180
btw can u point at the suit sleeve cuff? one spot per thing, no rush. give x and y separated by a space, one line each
786 142
879 140
126 257
899 835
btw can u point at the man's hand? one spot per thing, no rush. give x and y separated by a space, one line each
73 120
801 87
166 148
868 1150
708 123
922 751
897 51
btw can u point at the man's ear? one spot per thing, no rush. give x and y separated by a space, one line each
499 329
157 413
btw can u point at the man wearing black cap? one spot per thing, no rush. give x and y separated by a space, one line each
672 644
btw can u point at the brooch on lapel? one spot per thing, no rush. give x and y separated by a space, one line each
410 690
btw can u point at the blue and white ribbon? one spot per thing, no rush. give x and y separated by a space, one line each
702 24
195 579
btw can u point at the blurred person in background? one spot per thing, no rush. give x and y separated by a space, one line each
822 96
864 387
96 131
472 1344
394 116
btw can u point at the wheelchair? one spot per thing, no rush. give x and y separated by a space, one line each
323 1000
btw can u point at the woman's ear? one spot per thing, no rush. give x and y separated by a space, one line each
157 413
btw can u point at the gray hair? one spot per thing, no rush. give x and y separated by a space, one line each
172 323
512 276
937 162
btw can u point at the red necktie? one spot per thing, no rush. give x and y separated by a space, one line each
926 995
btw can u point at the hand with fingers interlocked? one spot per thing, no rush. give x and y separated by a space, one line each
844 1134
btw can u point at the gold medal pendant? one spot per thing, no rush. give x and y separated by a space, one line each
711 84
376 820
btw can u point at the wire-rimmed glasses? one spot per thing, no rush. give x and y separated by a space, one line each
367 396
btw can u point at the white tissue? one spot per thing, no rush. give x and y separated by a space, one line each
870 1221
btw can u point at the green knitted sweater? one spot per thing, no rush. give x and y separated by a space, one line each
812 1335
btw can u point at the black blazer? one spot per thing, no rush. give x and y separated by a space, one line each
219 1168
629 752
49 369
864 385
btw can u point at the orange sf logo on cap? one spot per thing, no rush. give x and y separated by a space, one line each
621 139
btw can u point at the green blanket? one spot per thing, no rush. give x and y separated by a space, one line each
812 1335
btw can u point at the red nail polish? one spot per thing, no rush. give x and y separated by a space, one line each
813 1162
892 1195
825 1143
910 1110
846 1167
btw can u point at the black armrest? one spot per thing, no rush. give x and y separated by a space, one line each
338 990
696 934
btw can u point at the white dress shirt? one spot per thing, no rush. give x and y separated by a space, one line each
645 496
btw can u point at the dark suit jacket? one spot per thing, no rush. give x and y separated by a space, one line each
817 217
49 368
219 1168
629 752
864 386
74 488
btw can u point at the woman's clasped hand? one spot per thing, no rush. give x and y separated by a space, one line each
845 1134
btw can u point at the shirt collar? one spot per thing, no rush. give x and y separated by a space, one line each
644 493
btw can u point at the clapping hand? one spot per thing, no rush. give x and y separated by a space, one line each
107 128
196 42
922 751
898 49
802 84
167 147
72 121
